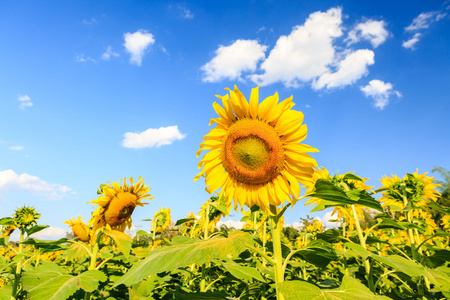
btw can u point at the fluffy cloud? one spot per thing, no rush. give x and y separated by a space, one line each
16 148
380 92
137 44
10 181
349 70
231 61
108 53
305 53
25 101
231 223
411 43
371 30
327 218
152 137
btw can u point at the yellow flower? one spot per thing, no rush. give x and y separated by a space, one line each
79 228
254 152
446 221
418 189
161 220
343 212
116 204
8 230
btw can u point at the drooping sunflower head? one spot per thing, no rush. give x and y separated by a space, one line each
116 204
26 217
417 189
7 231
161 220
255 156
79 228
346 182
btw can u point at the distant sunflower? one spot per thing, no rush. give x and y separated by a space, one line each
255 153
418 189
161 220
79 228
26 217
116 204
7 231
343 212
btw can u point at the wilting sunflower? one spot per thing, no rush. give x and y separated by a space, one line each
418 189
79 228
255 153
116 204
161 220
343 212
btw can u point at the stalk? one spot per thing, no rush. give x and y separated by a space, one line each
205 236
278 258
18 267
93 262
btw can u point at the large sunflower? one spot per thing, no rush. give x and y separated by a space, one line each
418 189
116 204
79 229
255 153
161 220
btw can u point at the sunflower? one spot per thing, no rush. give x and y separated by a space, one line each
418 189
161 220
79 228
254 152
343 212
116 204
26 217
7 231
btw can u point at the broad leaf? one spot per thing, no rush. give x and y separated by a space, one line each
331 236
182 255
51 282
358 250
182 221
242 272
122 240
5 292
47 245
440 277
7 221
401 264
350 289
318 253
35 229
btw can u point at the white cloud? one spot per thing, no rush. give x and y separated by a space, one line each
10 181
231 223
349 70
81 58
186 13
305 53
50 233
380 92
327 218
410 44
231 61
152 137
424 20
16 148
137 44
89 22
25 101
108 53
371 30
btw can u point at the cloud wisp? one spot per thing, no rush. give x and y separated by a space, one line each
137 44
109 53
10 181
421 22
16 148
25 101
152 137
380 92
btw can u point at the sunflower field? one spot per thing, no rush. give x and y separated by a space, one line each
392 242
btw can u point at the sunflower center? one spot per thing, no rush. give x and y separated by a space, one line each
120 208
252 152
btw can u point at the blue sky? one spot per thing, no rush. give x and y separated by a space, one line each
97 91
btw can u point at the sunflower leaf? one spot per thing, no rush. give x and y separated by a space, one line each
35 229
122 240
170 258
350 289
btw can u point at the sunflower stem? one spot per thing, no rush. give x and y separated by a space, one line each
93 262
278 258
205 236
18 267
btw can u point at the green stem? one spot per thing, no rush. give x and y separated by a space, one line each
278 258
205 236
263 254
264 243
203 282
17 277
93 262
362 241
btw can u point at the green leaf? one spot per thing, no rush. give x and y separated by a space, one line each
7 221
35 229
331 236
182 221
75 251
350 176
440 277
318 253
200 296
350 289
401 264
439 258
439 208
122 240
176 256
242 272
51 282
358 250
47 245
142 232
5 292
